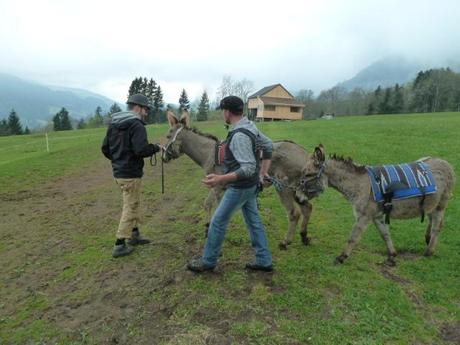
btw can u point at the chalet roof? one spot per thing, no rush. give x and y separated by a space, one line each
266 89
263 91
281 101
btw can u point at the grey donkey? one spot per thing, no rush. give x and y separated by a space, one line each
288 161
352 181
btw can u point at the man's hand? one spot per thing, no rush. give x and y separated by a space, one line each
159 147
263 173
212 180
265 179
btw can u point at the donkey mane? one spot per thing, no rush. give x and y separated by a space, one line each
207 135
348 161
289 141
285 141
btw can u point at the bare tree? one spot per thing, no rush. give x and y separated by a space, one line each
226 88
241 88
306 96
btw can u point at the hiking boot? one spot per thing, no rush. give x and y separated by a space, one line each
121 250
137 239
256 267
198 266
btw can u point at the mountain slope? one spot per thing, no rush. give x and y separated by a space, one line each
36 103
385 72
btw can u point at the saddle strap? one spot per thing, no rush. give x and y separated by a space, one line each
422 201
219 153
387 206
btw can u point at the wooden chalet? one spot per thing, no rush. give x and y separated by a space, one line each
274 102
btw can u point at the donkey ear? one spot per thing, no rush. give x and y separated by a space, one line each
185 118
172 119
320 156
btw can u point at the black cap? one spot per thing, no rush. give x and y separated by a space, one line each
139 99
232 103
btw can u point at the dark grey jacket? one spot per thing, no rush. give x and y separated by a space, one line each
126 145
243 157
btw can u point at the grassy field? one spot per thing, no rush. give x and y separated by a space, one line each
59 284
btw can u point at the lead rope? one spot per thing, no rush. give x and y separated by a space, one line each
279 186
162 174
153 163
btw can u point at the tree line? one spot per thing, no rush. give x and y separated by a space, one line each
152 90
433 90
12 125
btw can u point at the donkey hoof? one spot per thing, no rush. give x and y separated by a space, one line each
428 253
339 259
391 262
305 240
283 246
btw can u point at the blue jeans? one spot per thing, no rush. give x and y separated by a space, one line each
234 199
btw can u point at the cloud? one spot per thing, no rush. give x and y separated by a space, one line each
103 45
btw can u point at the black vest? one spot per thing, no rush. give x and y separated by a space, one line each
231 164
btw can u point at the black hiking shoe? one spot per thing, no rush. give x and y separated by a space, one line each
256 267
137 239
198 266
121 250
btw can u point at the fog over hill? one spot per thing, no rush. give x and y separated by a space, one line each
390 71
36 103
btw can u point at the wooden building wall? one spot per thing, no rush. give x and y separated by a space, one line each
281 112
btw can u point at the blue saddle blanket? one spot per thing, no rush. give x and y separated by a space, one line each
407 180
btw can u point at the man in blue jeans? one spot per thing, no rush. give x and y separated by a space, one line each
241 177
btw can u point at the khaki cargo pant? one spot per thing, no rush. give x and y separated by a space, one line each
131 215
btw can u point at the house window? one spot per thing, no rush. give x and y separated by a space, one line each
295 109
270 107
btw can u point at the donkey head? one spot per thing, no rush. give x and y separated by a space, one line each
313 181
173 148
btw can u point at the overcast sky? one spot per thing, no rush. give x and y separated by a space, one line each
102 45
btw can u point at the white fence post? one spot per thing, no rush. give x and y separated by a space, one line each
47 144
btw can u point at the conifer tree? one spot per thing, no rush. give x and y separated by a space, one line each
14 124
203 108
65 120
184 103
158 105
4 129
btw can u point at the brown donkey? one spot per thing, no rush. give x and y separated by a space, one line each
288 161
353 182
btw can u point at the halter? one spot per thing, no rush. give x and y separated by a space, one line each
172 141
311 178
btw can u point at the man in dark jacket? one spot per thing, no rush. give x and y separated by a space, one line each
126 145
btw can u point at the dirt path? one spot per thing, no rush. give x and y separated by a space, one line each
57 241
54 237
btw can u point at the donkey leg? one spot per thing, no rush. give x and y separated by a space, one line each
438 220
306 210
385 233
358 229
428 229
210 204
287 199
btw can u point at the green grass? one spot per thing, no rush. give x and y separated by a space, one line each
307 301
